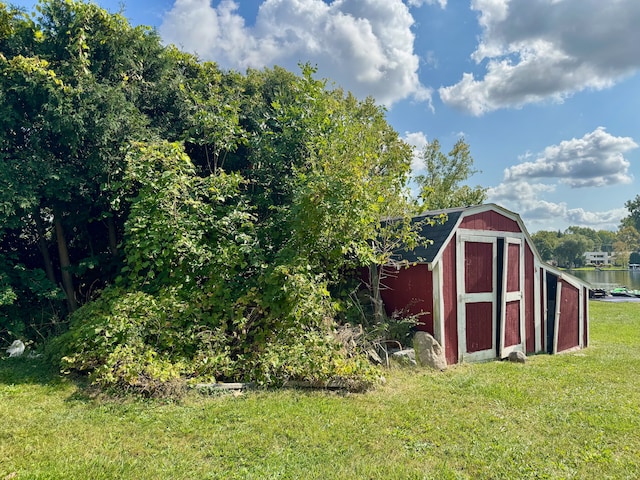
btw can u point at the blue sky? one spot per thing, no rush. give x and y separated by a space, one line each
544 91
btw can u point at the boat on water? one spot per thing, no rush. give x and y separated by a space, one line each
624 292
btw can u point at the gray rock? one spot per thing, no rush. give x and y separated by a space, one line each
405 357
517 357
429 353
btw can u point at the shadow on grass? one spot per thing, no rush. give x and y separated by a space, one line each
38 371
25 369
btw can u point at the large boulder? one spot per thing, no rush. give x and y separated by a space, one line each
429 353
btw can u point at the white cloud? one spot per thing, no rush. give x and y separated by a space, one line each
419 3
595 160
539 214
418 140
539 50
580 217
365 46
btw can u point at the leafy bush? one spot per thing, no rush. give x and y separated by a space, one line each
194 300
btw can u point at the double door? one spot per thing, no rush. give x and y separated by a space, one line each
490 278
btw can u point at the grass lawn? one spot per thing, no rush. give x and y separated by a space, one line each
575 415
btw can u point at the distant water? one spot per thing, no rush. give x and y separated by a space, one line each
610 279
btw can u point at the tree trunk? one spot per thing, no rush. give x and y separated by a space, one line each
44 248
379 314
63 252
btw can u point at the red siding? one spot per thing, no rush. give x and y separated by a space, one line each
450 299
478 272
479 325
569 326
513 268
512 324
529 300
411 291
490 220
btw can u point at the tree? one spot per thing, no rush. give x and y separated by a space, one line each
607 239
571 248
72 95
203 223
440 186
313 185
633 220
546 243
587 232
627 241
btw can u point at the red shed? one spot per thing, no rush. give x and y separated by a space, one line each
484 291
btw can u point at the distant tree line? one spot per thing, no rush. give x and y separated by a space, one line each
568 248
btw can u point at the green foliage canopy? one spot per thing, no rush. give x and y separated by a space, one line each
441 186
204 222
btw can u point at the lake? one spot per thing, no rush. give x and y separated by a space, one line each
609 279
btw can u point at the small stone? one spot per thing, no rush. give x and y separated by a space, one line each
517 357
405 357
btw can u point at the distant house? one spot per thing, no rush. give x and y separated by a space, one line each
485 292
600 259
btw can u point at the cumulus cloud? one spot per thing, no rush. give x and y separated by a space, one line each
539 214
365 46
418 3
418 140
595 160
539 50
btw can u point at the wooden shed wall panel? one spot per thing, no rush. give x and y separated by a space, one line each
529 299
512 324
490 220
569 324
513 268
478 273
450 300
479 326
411 291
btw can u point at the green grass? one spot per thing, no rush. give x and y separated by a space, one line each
575 415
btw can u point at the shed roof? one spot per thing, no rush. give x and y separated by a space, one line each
437 233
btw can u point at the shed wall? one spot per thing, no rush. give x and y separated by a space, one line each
410 291
529 299
568 324
490 220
